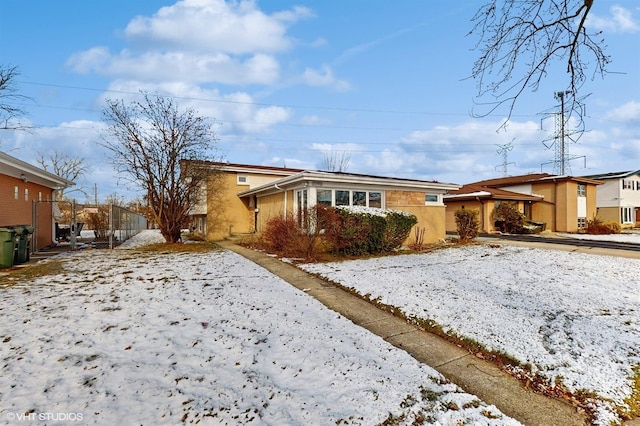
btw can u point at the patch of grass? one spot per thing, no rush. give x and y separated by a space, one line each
633 402
192 247
30 272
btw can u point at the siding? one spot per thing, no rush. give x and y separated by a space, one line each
20 211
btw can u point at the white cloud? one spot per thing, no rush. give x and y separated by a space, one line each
198 41
236 112
237 27
620 20
325 77
628 113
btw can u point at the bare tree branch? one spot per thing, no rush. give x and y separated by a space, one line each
521 40
150 141
66 166
334 161
9 112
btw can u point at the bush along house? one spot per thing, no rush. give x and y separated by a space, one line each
240 199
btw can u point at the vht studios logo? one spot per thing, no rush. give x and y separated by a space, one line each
60 417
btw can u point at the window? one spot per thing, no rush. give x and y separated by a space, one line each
39 196
342 198
15 192
627 184
243 180
323 197
348 198
431 198
627 214
26 194
375 199
582 190
359 198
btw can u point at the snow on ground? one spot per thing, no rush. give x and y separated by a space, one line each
569 315
133 337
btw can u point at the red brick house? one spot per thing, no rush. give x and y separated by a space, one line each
26 197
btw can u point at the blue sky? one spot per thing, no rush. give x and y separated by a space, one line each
288 82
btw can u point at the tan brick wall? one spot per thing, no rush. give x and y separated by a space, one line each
228 214
404 198
484 208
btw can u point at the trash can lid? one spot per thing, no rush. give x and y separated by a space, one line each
18 229
26 228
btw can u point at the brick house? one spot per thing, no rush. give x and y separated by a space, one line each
563 203
247 196
27 193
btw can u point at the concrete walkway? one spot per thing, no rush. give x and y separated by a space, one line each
474 375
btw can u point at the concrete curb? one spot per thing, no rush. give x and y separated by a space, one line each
472 374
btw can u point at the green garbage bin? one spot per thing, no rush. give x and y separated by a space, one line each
7 247
23 243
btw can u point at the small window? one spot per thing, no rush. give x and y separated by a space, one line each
39 196
627 214
26 194
342 198
243 180
582 222
582 190
16 192
431 198
324 197
359 198
375 199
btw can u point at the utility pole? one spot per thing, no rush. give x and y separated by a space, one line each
562 157
561 160
504 151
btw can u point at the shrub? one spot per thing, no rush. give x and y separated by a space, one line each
361 231
399 226
467 223
597 226
508 219
282 235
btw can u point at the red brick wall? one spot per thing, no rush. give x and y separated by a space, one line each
20 211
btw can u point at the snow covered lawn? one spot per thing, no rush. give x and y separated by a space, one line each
135 337
572 317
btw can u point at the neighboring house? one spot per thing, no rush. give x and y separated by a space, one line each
248 196
563 203
618 198
27 195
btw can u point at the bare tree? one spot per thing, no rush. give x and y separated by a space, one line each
521 40
69 167
9 112
149 140
336 161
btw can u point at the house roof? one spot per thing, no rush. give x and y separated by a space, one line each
532 178
249 168
614 175
11 166
474 192
319 178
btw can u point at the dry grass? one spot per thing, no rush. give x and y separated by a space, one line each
30 272
191 247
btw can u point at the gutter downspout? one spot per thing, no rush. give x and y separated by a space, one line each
284 213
